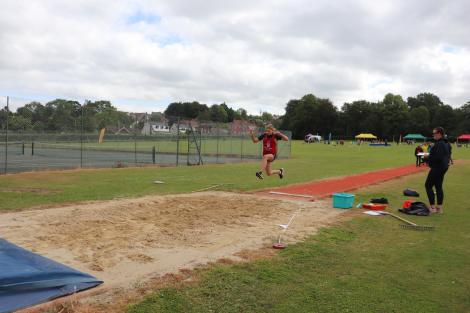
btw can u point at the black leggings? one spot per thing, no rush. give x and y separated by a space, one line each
418 160
435 179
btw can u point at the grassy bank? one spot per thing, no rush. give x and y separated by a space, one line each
368 264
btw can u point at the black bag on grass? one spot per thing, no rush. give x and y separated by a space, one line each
379 200
410 193
416 208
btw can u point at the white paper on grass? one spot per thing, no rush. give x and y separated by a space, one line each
373 213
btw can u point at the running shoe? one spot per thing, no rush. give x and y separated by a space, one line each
259 175
281 173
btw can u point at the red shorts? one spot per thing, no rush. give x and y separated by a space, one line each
274 157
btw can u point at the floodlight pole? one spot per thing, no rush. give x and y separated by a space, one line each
6 135
218 135
81 135
178 142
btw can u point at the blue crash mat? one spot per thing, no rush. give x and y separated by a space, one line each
27 278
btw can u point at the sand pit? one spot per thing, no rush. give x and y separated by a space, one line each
126 241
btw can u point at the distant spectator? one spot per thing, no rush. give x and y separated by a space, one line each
425 147
419 159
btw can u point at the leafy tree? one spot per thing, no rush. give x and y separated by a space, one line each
3 118
19 123
361 116
267 117
35 112
106 115
374 121
428 100
310 114
88 114
230 112
218 113
242 114
445 117
419 120
277 122
102 114
64 115
187 110
396 117
463 119
204 115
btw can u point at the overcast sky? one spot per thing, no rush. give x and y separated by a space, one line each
142 55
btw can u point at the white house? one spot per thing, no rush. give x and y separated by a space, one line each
160 128
185 125
152 128
183 128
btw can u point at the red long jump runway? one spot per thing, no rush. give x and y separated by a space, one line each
325 188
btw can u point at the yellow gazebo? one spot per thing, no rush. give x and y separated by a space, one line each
366 136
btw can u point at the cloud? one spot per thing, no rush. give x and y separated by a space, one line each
258 55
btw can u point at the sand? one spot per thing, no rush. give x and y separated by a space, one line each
127 241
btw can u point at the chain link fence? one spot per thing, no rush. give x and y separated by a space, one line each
67 134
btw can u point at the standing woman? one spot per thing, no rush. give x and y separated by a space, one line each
418 150
439 163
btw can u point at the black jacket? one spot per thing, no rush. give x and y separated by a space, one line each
439 155
449 146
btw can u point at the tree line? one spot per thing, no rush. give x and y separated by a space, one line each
64 115
388 118
195 110
217 113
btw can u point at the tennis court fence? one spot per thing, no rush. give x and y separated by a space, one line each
172 141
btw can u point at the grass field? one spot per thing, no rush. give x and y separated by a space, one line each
308 162
367 264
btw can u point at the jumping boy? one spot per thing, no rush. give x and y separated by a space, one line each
269 139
